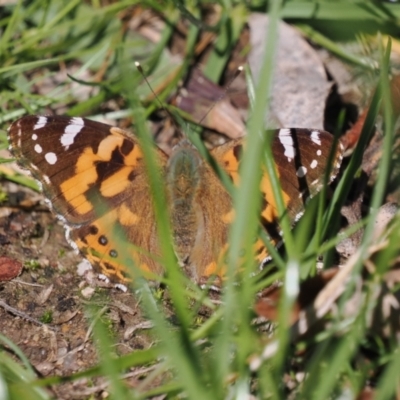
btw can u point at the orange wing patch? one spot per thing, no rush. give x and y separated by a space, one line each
106 243
270 209
116 149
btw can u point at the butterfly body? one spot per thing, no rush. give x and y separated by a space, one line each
95 178
197 203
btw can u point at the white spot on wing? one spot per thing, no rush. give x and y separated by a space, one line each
60 218
46 179
51 158
315 137
78 121
68 235
34 136
301 172
38 148
313 164
40 123
71 130
319 152
285 137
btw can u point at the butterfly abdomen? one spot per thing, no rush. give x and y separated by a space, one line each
183 178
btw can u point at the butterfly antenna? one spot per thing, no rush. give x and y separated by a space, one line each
173 118
140 69
237 73
223 95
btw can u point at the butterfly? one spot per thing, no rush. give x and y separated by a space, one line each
94 177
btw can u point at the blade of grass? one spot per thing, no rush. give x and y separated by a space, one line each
344 352
246 205
108 364
383 171
339 10
177 346
334 48
228 35
388 385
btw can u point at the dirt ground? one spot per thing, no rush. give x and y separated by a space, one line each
44 310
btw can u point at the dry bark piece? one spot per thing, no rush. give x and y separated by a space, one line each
9 268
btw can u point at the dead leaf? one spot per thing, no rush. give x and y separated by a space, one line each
208 104
268 304
300 85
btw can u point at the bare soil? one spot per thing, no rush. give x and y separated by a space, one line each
45 310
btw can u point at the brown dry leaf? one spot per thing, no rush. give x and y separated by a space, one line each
268 304
65 317
385 215
319 295
353 214
208 104
300 85
348 246
350 138
366 393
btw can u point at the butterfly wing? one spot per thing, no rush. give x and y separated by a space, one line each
301 160
94 177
